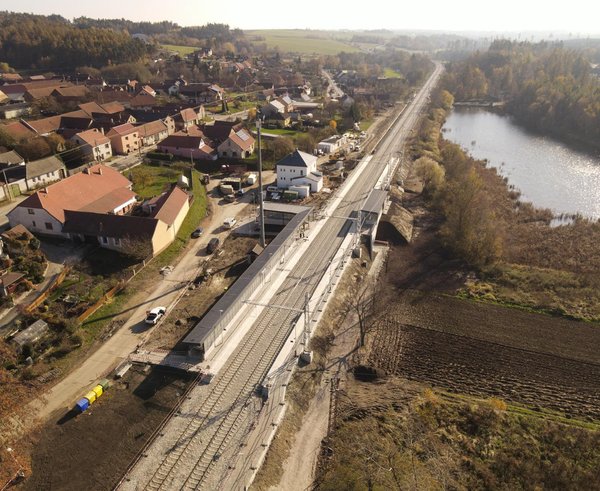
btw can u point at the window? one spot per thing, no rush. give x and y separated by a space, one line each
116 241
30 211
106 145
33 223
104 240
127 138
48 226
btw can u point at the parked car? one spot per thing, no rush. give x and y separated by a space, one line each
239 193
197 233
229 222
154 315
213 245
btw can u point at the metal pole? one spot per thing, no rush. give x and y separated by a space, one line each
260 187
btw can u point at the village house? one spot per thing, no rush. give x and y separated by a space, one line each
239 144
124 139
11 111
201 93
187 117
187 146
10 158
332 144
33 175
94 143
98 189
153 133
92 206
299 169
134 235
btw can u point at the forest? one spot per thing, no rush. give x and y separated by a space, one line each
38 42
546 86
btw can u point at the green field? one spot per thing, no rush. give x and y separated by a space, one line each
302 41
391 73
182 50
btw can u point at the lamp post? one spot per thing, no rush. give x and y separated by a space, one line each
261 212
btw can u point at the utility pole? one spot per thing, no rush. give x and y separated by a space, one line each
261 218
8 193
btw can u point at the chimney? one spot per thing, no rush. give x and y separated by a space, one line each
86 170
100 170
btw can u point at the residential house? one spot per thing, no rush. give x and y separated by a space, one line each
11 111
299 169
95 144
3 97
142 101
142 236
201 93
33 175
71 93
187 117
124 139
147 90
10 77
98 189
239 144
187 146
332 144
152 133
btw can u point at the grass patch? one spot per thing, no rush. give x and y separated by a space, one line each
391 73
536 289
302 41
181 50
425 440
149 180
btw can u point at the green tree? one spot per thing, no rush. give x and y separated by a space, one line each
431 173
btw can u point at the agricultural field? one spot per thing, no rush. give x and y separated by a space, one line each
302 41
181 50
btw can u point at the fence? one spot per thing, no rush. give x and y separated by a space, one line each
115 289
39 300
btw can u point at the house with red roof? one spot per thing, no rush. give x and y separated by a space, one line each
188 146
153 132
94 143
98 189
92 206
124 139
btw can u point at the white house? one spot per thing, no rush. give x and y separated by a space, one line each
94 144
331 144
297 169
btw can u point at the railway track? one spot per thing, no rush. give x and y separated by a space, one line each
222 413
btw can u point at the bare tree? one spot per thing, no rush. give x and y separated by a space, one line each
361 298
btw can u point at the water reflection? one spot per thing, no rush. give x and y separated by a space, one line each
547 172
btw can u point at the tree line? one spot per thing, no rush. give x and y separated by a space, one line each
40 42
547 86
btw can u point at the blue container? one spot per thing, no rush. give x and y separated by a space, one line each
82 404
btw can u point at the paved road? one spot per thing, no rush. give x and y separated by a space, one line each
198 446
333 90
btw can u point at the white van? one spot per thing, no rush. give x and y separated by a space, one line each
272 189
229 222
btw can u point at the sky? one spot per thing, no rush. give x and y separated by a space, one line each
573 16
